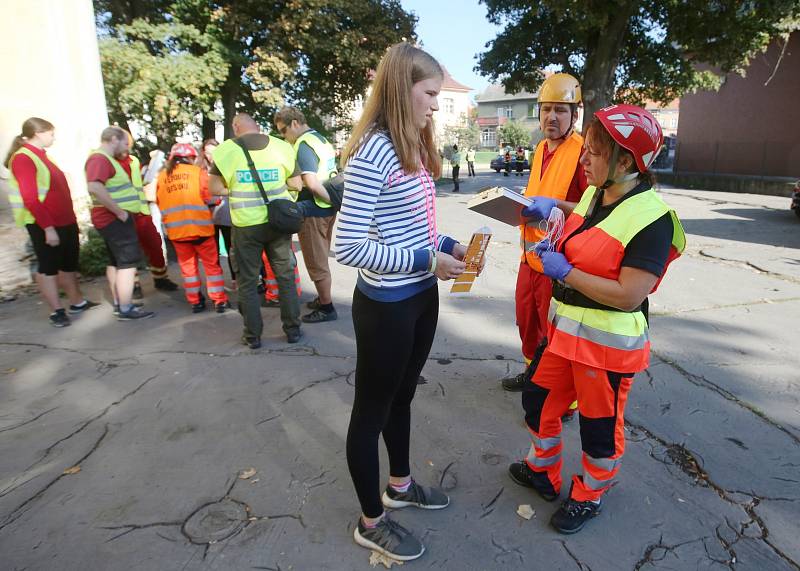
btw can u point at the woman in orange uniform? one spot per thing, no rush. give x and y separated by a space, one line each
183 198
616 246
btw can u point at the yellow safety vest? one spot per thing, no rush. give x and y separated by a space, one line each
611 340
123 189
22 215
274 164
136 179
326 154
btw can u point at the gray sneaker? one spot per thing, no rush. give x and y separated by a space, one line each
134 313
389 538
417 496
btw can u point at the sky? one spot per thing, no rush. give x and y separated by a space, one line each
454 32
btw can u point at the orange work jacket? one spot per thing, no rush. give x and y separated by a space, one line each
183 199
553 184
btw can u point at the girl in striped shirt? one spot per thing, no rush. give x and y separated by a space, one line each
387 229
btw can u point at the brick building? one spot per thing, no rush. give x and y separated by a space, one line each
751 126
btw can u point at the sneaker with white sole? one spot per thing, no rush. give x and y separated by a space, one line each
416 496
389 538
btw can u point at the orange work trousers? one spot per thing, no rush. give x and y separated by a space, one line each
601 397
188 252
271 283
532 297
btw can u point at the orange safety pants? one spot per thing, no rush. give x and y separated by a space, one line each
271 283
188 251
601 399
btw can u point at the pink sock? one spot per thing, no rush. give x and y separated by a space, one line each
401 487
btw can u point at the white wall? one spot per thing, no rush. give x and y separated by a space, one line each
51 69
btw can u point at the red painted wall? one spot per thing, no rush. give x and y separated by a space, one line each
746 127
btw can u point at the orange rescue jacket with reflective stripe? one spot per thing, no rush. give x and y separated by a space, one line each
611 340
553 184
183 199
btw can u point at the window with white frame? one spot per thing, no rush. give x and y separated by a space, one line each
488 137
449 105
505 111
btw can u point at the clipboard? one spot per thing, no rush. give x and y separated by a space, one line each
500 203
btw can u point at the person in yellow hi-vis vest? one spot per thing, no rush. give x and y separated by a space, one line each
115 201
617 244
316 159
556 175
41 201
232 176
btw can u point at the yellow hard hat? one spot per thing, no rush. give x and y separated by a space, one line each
560 88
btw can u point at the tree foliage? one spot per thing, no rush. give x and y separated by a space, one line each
465 135
246 55
513 134
628 50
151 75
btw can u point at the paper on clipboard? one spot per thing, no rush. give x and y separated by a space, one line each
500 203
473 258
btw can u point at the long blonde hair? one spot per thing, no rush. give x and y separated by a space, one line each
389 108
30 127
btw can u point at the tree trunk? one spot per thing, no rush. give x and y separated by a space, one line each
601 63
229 92
209 128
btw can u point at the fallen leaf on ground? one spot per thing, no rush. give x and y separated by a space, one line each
72 470
247 474
380 559
525 511
11 370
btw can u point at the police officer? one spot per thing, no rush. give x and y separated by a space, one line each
231 176
316 159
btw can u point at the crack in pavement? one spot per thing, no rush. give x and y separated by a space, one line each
80 428
659 551
717 201
33 419
581 565
701 381
762 301
18 511
685 460
102 367
732 262
312 384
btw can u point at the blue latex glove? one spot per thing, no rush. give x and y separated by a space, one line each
555 265
540 208
541 247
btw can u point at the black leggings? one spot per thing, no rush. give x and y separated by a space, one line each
392 344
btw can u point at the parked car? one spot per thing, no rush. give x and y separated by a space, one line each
498 164
796 198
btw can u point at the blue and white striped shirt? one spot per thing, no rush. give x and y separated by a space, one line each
387 223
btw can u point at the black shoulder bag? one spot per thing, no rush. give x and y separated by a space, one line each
283 216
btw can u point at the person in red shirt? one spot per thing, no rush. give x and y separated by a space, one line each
112 215
556 177
48 216
149 239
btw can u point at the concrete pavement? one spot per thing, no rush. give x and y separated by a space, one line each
122 444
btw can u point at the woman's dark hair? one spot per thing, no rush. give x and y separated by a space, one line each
175 161
604 144
29 128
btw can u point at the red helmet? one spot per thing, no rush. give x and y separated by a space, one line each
633 129
182 150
